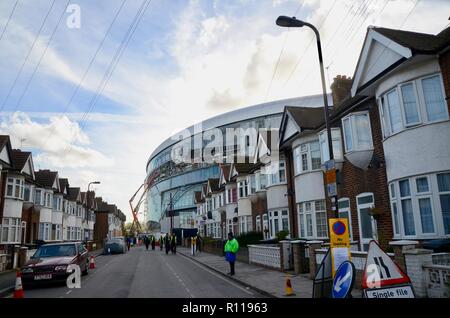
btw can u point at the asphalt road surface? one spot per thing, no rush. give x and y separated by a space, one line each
147 274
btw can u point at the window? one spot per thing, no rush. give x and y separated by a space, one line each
10 230
435 105
15 188
258 223
28 193
413 103
45 231
422 206
38 198
336 144
243 189
344 212
409 100
58 232
251 182
407 210
443 181
357 132
278 174
313 219
307 157
278 221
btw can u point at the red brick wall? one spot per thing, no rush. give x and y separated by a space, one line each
100 226
258 208
444 61
355 181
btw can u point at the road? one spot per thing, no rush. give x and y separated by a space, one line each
146 274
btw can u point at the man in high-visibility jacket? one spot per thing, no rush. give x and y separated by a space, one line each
231 249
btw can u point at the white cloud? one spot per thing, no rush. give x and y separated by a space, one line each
60 141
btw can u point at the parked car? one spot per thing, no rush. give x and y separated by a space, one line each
115 245
50 262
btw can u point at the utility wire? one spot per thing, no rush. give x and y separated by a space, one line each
281 53
114 62
309 44
41 58
9 19
27 57
91 62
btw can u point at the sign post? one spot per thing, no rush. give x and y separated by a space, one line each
383 278
339 243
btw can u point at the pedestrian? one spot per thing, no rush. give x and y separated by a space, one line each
199 243
167 243
128 242
161 242
153 243
174 244
146 242
231 248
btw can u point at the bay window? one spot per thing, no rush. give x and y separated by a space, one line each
278 173
307 157
421 206
357 132
10 230
15 188
242 189
313 219
39 197
251 184
28 193
336 144
413 103
278 221
45 231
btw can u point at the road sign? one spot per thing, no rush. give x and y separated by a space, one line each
330 177
339 242
405 291
343 280
329 165
381 273
331 189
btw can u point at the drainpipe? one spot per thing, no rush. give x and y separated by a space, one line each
291 192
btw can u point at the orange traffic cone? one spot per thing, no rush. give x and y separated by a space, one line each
288 288
18 290
92 263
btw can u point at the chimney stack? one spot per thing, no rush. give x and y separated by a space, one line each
340 89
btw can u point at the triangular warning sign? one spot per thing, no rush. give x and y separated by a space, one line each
381 270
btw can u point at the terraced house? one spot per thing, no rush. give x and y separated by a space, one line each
38 206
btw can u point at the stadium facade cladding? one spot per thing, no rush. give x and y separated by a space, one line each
181 180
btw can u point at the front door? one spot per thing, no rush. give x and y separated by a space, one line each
367 224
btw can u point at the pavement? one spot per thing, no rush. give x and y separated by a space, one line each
268 282
147 274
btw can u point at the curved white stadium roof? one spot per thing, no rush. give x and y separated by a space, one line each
246 113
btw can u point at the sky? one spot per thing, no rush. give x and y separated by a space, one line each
92 93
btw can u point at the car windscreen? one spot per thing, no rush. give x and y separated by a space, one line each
111 241
55 251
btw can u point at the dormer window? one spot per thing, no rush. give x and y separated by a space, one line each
357 132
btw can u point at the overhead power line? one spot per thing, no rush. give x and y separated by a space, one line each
41 57
9 19
27 57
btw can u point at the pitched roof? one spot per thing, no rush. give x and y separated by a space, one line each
225 171
307 117
244 168
5 141
213 184
198 197
63 183
72 194
45 178
418 42
20 158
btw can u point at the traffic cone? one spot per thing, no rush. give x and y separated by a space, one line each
18 290
288 288
92 263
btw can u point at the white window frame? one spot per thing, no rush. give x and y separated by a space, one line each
355 146
323 144
299 152
13 226
302 217
349 213
365 241
421 106
15 182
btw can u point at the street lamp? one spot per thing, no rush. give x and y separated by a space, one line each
289 22
88 201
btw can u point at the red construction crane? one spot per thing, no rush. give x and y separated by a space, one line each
134 210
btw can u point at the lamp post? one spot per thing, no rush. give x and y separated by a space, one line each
288 22
88 201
